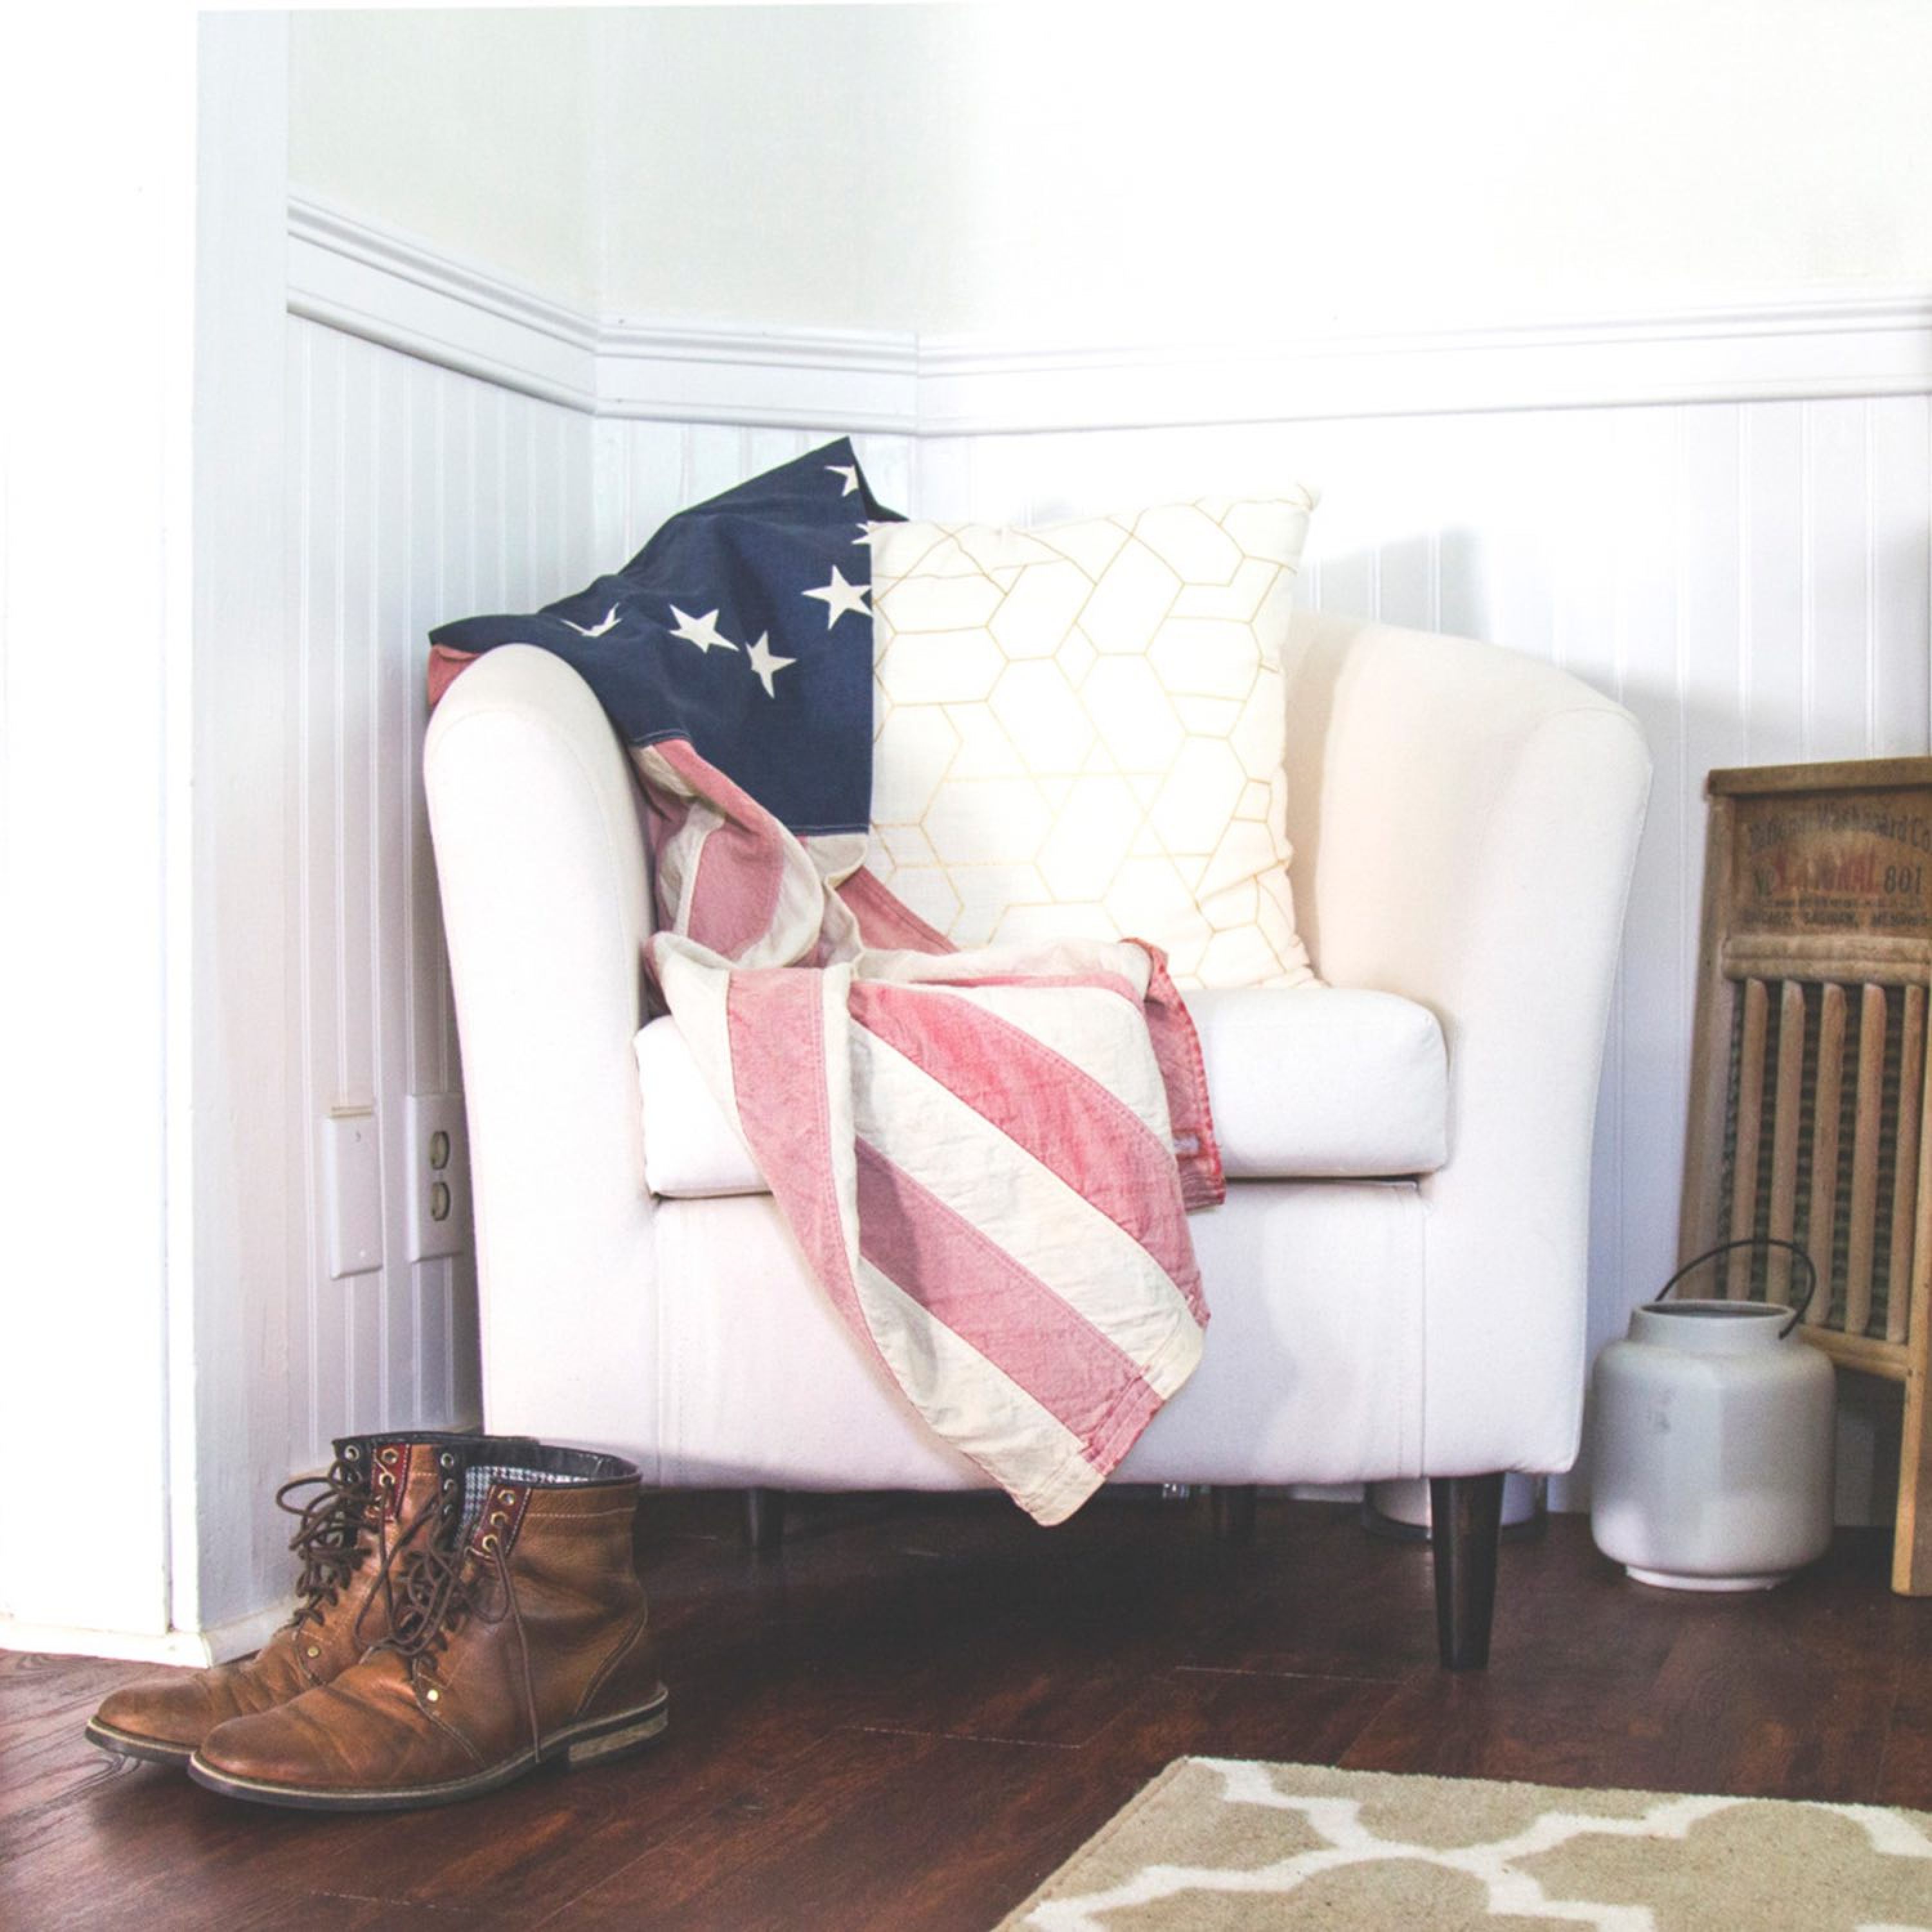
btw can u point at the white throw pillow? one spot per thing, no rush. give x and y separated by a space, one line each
1079 731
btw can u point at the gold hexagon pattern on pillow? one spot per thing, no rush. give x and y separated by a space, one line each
1079 732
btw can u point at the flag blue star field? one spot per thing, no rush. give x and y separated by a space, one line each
743 626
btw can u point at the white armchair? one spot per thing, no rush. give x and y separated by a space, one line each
1398 1276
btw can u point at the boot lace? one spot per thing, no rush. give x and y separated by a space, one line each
328 1535
442 1588
328 1538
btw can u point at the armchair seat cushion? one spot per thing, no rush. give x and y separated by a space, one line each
1313 1082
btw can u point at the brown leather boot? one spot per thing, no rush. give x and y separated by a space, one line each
528 1642
384 1495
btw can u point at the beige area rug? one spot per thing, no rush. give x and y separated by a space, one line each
1213 1844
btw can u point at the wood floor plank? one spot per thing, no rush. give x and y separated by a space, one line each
887 1828
33 1684
923 1705
1314 1595
1904 1753
1197 1712
1771 1694
350 1912
879 1829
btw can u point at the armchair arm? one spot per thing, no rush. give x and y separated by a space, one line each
1466 822
546 906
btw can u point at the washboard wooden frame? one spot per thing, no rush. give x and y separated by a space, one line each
1809 1072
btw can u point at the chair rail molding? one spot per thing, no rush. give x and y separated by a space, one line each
371 280
367 279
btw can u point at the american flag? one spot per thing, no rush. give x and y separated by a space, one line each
743 625
987 1159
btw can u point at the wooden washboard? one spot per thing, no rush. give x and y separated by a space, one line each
1808 1072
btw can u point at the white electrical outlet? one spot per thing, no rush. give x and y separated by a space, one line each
439 1176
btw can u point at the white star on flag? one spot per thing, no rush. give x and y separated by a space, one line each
703 631
850 471
598 630
840 597
766 662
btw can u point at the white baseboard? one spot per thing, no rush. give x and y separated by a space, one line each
215 1645
398 290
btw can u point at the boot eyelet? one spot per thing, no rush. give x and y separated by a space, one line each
509 1496
447 1460
351 1454
315 1650
432 1695
488 1542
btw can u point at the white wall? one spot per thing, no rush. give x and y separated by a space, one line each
148 952
1097 173
476 128
94 510
220 911
234 951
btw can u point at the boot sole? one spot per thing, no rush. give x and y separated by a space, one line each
131 1743
591 1742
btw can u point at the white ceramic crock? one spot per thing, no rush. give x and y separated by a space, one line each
1712 1434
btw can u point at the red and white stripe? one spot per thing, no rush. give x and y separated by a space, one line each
987 1158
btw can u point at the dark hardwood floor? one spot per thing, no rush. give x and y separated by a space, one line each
923 1706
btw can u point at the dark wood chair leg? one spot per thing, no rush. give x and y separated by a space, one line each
764 1521
1466 1514
1234 1506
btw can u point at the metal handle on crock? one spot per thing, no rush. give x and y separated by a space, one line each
1756 1241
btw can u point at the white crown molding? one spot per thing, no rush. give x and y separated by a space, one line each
391 289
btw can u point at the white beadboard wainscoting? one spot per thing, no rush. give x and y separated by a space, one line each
416 493
1742 554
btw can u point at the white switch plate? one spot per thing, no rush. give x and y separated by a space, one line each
438 1223
352 1174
